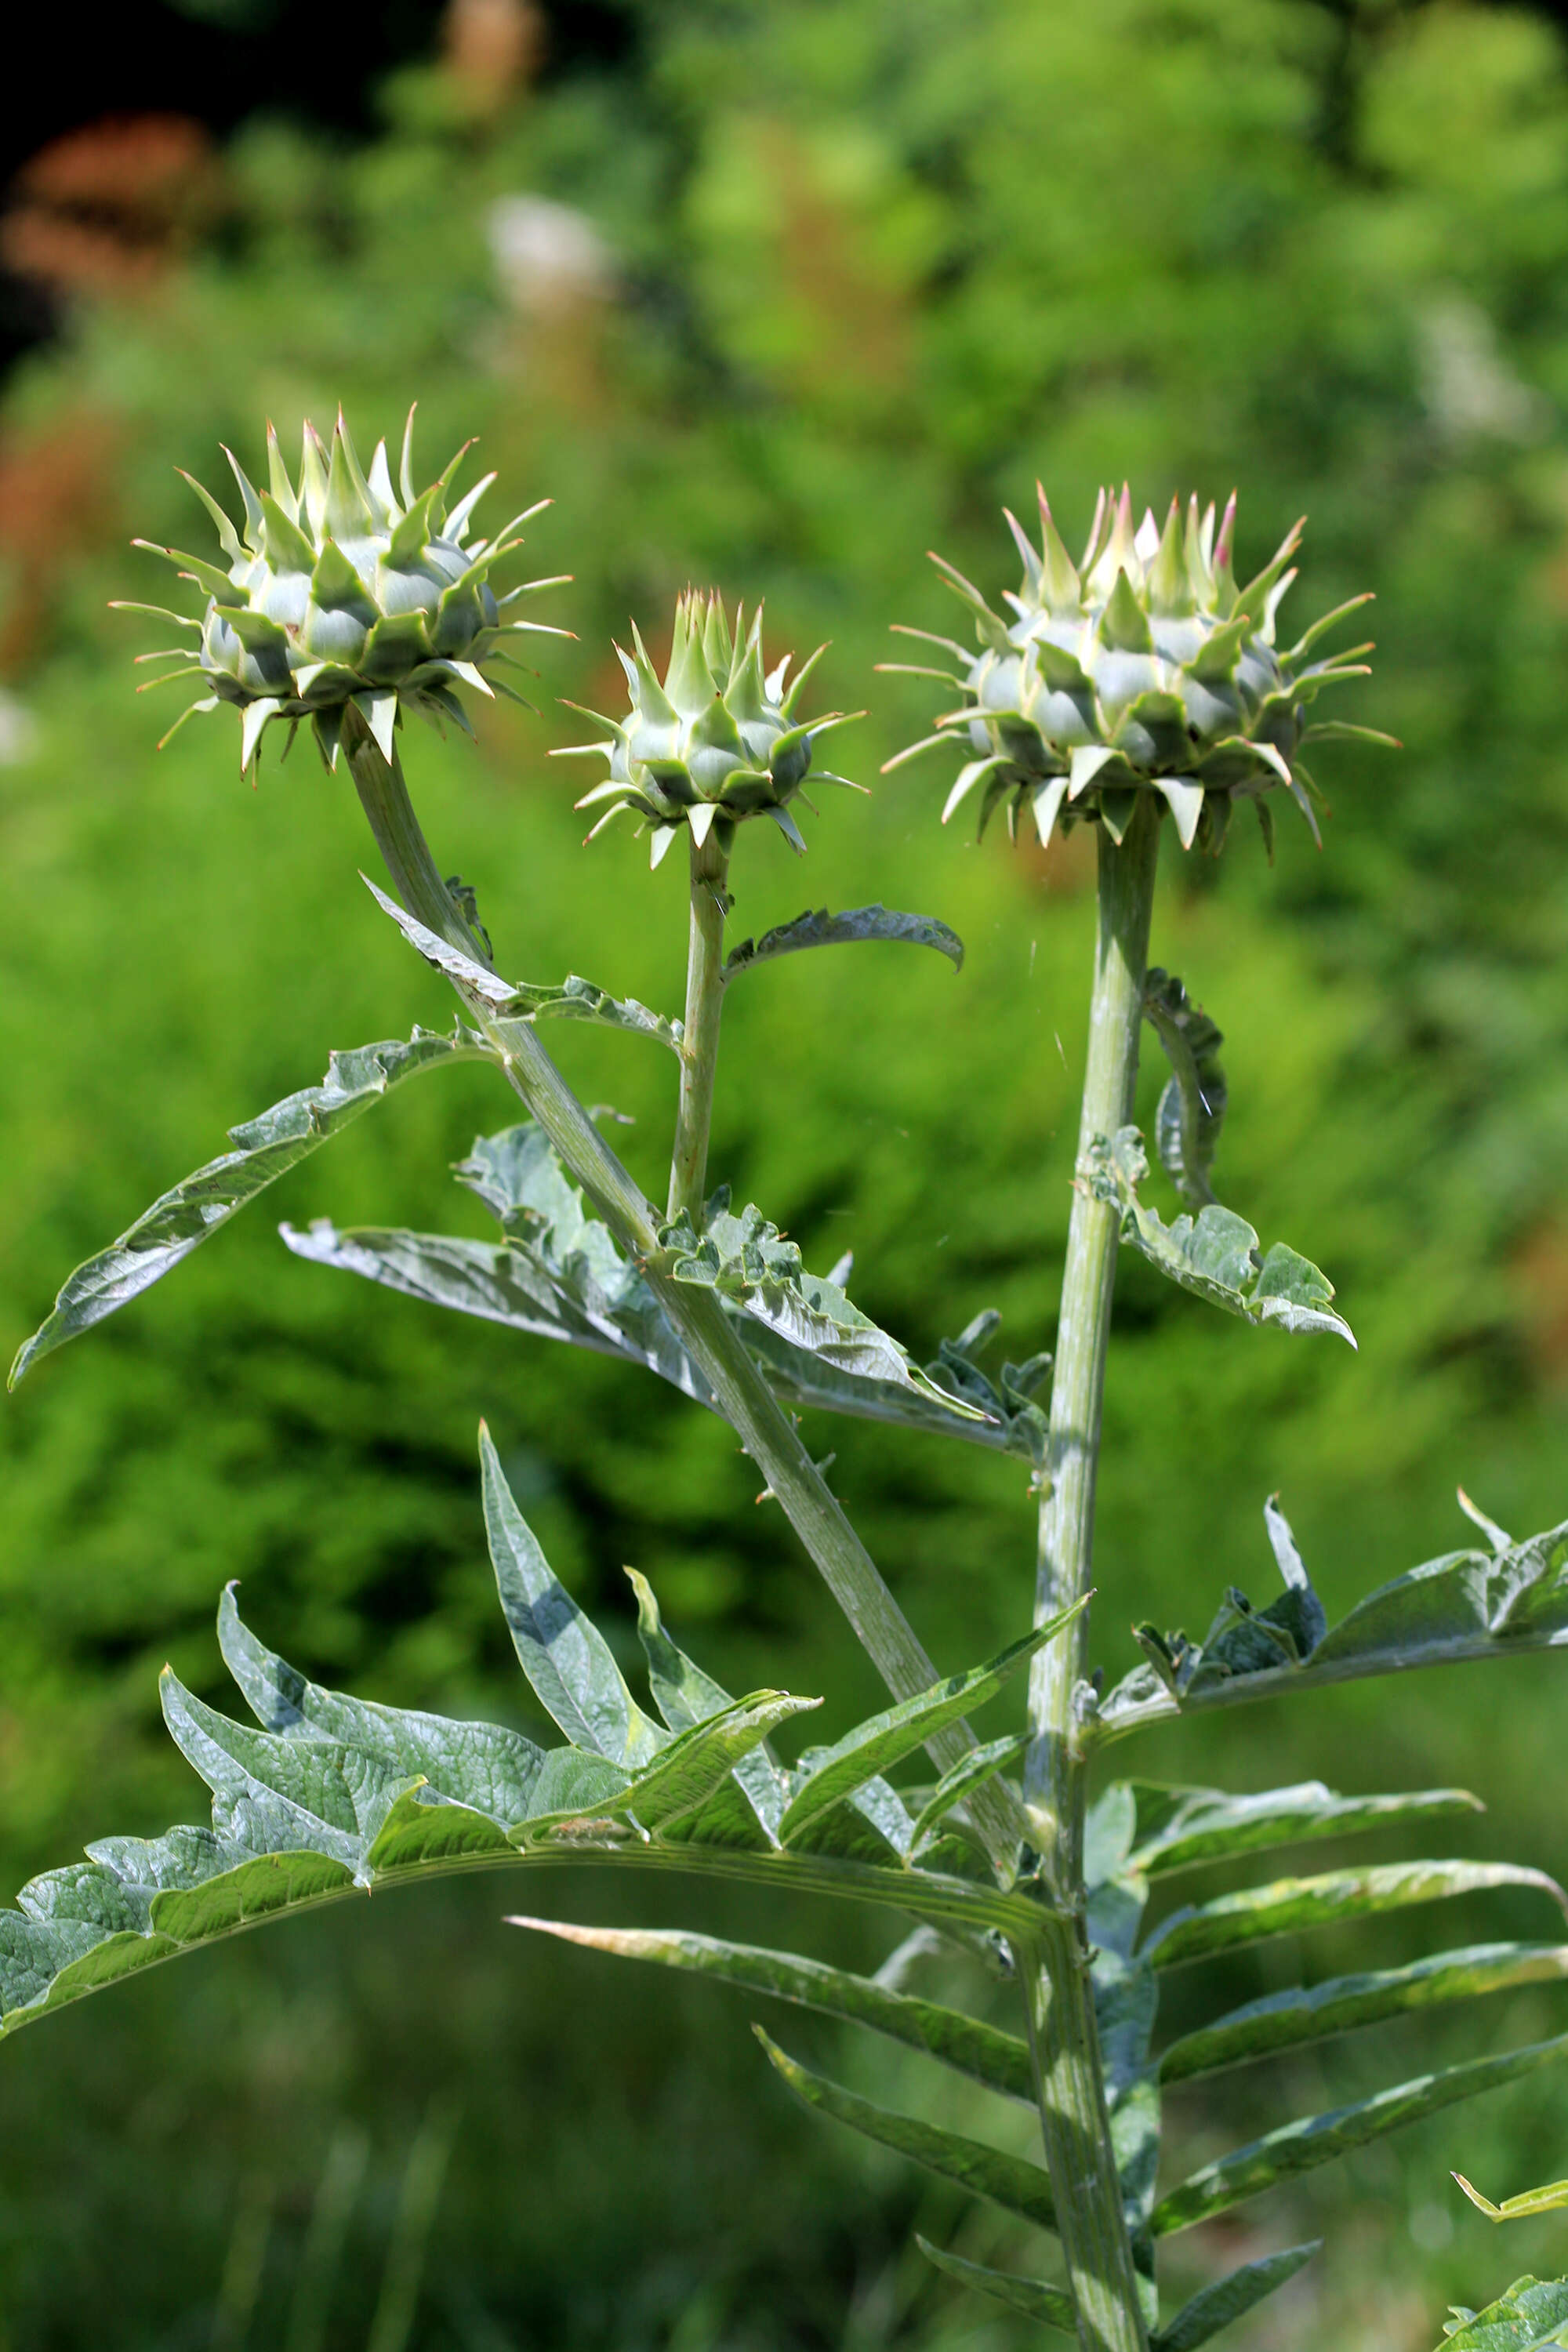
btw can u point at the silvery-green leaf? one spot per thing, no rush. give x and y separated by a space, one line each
573 999
1286 2020
1191 1107
1178 1828
1229 2298
1051 2306
961 1779
1299 2147
1000 2061
1532 2316
565 1657
264 1149
822 930
1215 1254
1289 1905
1465 1604
1021 2188
875 1746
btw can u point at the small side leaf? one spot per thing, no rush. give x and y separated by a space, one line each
1051 2306
1522 2207
1215 1254
1289 1905
1301 2147
1019 2187
822 930
1230 2298
1191 1107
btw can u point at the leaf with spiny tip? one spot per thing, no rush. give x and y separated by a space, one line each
335 583
405 463
1063 589
1033 569
379 480
207 702
1185 800
912 751
1062 670
413 535
992 630
283 542
662 840
790 830
1011 2182
1118 806
457 522
1085 763
155 613
968 777
350 514
948 644
1052 2306
1304 644
792 693
1169 588
1124 625
1214 662
1526 2206
282 489
314 475
192 669
1046 802
1254 597
381 715
205 575
648 694
1220 562
252 725
228 537
1340 730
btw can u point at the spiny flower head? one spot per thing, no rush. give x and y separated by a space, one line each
716 740
1144 667
344 590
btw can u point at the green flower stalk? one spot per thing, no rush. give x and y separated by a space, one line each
716 743
345 590
1143 669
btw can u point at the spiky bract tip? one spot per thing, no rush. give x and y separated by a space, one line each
341 588
714 741
1141 668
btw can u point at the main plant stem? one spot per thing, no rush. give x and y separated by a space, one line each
739 1389
1068 2072
699 1040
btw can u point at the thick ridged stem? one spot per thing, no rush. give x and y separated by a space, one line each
699 1040
1068 2070
739 1389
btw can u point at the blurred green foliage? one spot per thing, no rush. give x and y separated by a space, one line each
873 270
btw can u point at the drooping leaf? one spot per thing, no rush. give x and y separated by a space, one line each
1532 2316
1000 2061
1465 1604
1230 2298
748 1263
560 1275
264 1149
822 930
685 1695
573 999
875 1746
1285 2020
1051 2306
1191 1107
1019 2187
1299 2147
1290 1906
1215 1254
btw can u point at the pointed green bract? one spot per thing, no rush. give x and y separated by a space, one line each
715 742
1141 669
340 588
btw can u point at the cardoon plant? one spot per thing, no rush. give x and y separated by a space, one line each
1140 693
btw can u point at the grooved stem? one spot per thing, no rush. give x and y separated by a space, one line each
742 1394
700 1042
1069 2075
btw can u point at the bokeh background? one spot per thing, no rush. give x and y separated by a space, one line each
772 296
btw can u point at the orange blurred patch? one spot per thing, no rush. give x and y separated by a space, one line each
106 209
57 501
1540 1271
493 49
1067 866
